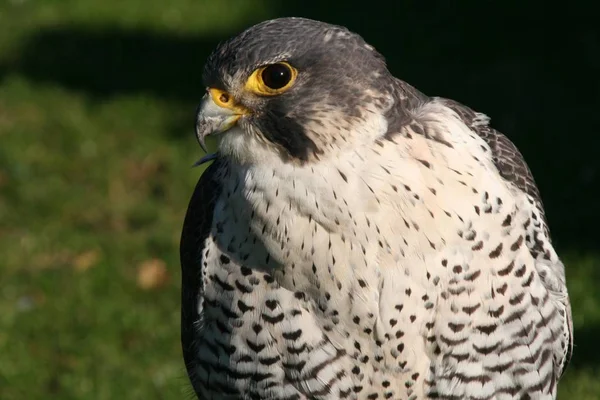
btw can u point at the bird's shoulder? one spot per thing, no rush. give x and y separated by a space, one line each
506 156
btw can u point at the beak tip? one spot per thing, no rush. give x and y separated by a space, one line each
200 136
202 144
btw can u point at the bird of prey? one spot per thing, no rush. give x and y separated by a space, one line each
355 238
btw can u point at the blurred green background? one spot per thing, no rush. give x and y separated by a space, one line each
97 101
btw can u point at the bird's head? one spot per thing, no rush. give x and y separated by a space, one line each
293 88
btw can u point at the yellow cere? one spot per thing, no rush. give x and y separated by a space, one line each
221 98
256 82
225 100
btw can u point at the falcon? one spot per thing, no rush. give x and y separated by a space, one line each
356 239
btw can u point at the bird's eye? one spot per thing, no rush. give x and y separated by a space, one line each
276 76
272 79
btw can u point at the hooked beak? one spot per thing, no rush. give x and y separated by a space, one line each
216 114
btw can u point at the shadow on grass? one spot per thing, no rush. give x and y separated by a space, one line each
532 69
105 63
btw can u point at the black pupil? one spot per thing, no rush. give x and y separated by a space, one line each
276 76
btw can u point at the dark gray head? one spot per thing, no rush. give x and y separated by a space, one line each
294 85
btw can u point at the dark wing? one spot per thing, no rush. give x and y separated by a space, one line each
196 228
505 154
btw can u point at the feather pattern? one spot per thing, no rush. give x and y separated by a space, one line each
416 265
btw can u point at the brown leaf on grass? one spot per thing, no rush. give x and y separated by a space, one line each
84 261
152 274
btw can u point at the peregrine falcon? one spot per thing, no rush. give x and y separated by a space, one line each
356 239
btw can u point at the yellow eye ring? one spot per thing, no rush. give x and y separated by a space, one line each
272 79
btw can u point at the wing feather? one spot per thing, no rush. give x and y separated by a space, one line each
512 167
196 228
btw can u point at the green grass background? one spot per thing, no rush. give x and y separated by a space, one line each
97 101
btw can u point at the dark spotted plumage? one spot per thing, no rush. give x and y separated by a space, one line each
358 239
